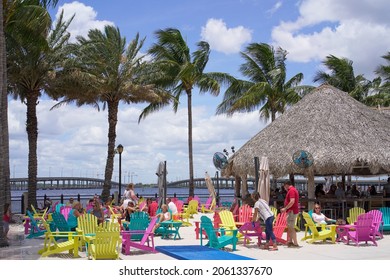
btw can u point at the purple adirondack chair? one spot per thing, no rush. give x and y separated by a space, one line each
377 222
364 230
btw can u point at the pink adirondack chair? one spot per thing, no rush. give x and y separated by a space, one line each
179 206
279 227
244 214
364 231
64 210
146 243
377 222
249 230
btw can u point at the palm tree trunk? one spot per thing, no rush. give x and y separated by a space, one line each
112 121
190 154
4 147
32 135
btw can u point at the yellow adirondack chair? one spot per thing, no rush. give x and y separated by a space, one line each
114 216
185 216
228 223
328 233
86 227
105 244
354 213
192 207
52 244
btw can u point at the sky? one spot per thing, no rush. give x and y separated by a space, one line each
73 141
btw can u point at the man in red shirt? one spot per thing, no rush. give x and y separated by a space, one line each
291 205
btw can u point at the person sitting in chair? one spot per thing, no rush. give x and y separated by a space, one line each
320 218
165 215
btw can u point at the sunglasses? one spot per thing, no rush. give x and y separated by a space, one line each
317 208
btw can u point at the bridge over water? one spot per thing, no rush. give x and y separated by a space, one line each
93 183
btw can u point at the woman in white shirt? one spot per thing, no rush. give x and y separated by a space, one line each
320 218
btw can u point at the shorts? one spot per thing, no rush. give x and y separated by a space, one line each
291 219
5 226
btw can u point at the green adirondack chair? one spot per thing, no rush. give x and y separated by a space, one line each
215 241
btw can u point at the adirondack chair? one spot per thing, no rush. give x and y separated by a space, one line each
275 211
354 213
328 233
279 228
65 210
228 222
146 243
249 230
179 206
364 231
51 245
86 227
138 221
36 226
386 218
114 214
209 207
105 244
244 214
192 207
60 222
377 222
215 241
185 216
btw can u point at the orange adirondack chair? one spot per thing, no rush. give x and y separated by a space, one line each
244 215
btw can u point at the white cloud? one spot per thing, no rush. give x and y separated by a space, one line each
357 30
84 20
224 39
275 7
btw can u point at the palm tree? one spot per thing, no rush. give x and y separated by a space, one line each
383 96
342 77
31 63
266 88
103 69
179 71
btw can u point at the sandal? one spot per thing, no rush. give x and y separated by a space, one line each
273 249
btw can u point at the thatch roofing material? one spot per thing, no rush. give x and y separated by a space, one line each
337 130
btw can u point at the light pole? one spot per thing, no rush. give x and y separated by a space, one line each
119 149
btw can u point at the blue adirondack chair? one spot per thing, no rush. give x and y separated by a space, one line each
36 229
215 241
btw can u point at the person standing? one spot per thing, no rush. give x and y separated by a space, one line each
291 205
263 211
386 191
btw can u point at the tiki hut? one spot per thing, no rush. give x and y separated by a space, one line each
344 136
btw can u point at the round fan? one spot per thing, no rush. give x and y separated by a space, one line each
220 161
303 158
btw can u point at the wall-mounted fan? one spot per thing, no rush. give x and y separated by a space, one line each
220 161
302 158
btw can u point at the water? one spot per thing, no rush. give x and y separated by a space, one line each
86 194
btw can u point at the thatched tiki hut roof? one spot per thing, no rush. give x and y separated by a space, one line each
344 136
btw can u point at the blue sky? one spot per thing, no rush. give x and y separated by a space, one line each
73 141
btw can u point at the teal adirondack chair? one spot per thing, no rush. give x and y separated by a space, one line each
60 222
386 218
36 229
138 221
215 241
